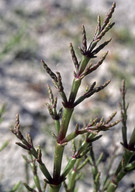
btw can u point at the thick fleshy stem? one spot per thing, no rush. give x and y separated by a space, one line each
54 188
59 147
64 125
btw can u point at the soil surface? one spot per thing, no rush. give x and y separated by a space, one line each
40 29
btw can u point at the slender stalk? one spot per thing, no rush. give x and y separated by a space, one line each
124 108
71 183
125 160
120 172
95 172
69 166
72 179
64 123
45 171
106 179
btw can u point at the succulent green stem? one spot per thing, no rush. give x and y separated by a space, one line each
59 148
112 187
57 161
69 166
57 126
54 188
83 64
65 122
42 166
71 183
72 179
75 86
45 171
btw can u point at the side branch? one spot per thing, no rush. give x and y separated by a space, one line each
57 80
28 145
90 92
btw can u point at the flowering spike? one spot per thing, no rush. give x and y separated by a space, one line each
94 121
22 145
55 103
74 58
92 86
59 82
91 92
51 97
95 51
17 124
92 67
111 117
49 71
50 109
97 89
84 40
106 29
124 114
98 25
29 139
109 16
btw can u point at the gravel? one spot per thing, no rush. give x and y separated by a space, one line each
47 28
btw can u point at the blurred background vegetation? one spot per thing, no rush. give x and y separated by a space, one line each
40 29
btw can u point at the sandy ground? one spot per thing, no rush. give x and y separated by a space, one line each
39 29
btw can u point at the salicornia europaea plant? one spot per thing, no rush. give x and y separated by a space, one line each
83 151
126 164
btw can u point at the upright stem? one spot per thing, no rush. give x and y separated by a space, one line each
64 123
57 161
59 148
